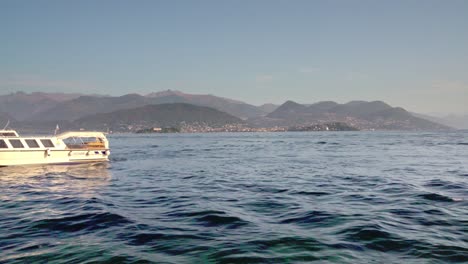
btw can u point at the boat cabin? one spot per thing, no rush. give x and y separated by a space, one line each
68 147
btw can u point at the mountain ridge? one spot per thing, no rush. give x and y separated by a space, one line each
45 107
159 115
87 105
373 115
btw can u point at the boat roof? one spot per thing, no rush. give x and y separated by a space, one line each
81 134
69 134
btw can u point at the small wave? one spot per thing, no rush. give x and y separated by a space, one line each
404 212
47 253
148 238
253 258
447 185
260 189
66 200
446 253
325 143
307 193
424 221
212 218
169 243
292 243
365 233
196 213
82 222
310 218
272 190
267 206
436 183
117 159
434 212
435 197
230 222
374 237
348 246
187 150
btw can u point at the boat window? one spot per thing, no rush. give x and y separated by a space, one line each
3 144
7 134
16 143
47 143
32 143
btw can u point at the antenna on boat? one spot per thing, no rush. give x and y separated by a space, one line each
7 124
57 128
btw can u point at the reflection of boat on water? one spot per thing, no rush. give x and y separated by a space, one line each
88 170
77 179
65 148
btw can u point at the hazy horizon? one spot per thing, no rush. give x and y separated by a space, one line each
407 54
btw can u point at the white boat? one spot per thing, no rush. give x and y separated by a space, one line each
65 148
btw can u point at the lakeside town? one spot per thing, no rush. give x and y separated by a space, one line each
199 128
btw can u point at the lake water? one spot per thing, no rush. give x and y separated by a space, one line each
346 197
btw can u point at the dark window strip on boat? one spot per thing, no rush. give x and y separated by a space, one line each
47 143
7 134
32 143
16 143
3 144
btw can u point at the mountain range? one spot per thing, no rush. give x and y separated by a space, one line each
84 105
39 109
161 115
375 115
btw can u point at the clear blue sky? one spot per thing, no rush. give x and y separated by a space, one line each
412 54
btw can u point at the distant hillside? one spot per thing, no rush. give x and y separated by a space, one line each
233 107
89 105
360 114
398 118
360 108
289 110
293 110
268 108
161 115
22 106
324 106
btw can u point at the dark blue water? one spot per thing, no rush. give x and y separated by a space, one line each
246 198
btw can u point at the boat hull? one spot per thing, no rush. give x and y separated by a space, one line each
35 157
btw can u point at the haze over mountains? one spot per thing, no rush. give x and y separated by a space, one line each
39 109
